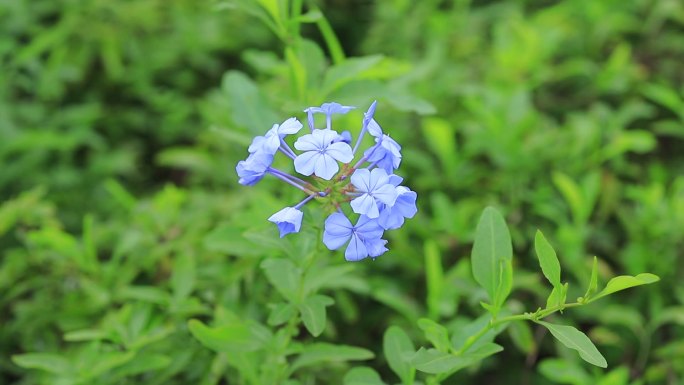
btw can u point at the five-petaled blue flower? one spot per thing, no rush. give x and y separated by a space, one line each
364 238
321 154
374 188
366 189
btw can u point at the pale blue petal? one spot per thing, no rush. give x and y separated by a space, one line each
360 179
338 224
306 142
325 137
290 126
306 162
378 178
386 194
374 128
356 250
365 205
271 141
257 144
368 227
288 220
406 203
326 167
340 151
376 247
395 180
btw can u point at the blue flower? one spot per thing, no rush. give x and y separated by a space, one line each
386 153
345 137
321 154
365 237
374 188
270 142
252 169
392 217
328 109
288 220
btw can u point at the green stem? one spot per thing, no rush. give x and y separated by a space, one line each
539 314
334 46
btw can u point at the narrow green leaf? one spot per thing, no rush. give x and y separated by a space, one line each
547 259
362 376
521 334
492 244
281 313
397 346
284 275
313 313
434 277
52 363
575 339
435 333
234 337
183 277
625 282
505 284
593 281
318 353
433 361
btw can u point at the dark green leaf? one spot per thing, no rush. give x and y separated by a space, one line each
313 313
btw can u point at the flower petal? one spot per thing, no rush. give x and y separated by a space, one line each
365 205
368 228
326 167
378 178
306 142
386 194
340 151
306 162
356 250
290 126
360 179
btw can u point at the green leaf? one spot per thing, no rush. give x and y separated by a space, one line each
521 334
547 259
52 363
233 337
183 277
434 277
397 347
318 353
281 313
435 333
492 244
575 339
313 313
564 372
362 376
593 281
350 69
248 106
557 297
434 362
625 282
284 275
440 137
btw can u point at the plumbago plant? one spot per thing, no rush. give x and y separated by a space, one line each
362 198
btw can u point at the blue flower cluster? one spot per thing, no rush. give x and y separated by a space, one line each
329 174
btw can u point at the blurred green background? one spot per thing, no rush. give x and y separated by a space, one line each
121 218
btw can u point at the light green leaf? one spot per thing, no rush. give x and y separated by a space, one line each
492 244
313 313
434 277
318 353
521 334
281 313
248 106
233 337
435 333
52 363
433 361
625 282
440 137
575 339
593 281
362 376
183 277
547 259
350 69
397 346
557 297
284 275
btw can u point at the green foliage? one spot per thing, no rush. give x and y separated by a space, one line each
131 255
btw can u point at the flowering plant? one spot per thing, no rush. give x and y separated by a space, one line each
366 188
